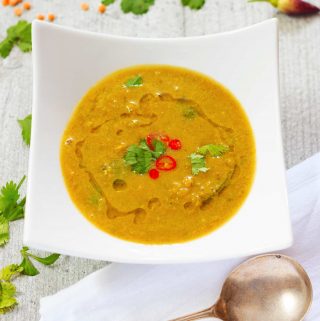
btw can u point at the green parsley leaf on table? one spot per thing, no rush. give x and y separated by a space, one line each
213 150
198 163
136 6
136 81
11 209
25 125
107 2
28 266
20 35
7 299
193 4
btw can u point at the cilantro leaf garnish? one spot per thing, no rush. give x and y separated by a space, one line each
107 2
198 163
213 150
189 113
136 81
7 299
140 157
136 6
4 230
20 35
28 266
25 125
10 271
193 4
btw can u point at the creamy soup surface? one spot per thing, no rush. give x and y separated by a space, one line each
158 154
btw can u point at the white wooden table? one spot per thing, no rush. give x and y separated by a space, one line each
300 99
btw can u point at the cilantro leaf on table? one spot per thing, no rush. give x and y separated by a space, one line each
11 209
10 271
198 163
107 2
28 266
25 125
7 299
213 150
20 35
193 4
135 81
136 6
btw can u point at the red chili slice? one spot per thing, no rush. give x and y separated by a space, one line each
162 137
153 173
175 144
166 163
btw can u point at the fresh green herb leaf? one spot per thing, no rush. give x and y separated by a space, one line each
189 113
213 150
136 81
4 230
159 148
48 260
20 35
139 158
193 4
25 125
7 299
10 271
136 6
107 2
28 267
198 163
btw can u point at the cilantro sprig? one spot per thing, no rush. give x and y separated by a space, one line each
140 157
198 160
19 35
25 125
137 7
193 4
7 289
11 209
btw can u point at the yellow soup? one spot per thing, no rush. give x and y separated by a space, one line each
158 154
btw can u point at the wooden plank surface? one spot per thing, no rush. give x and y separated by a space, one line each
300 99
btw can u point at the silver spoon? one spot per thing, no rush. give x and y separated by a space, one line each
265 288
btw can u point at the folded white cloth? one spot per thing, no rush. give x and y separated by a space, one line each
124 292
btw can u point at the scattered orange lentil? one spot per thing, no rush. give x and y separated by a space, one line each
5 2
102 8
17 11
40 16
13 2
84 6
51 17
27 5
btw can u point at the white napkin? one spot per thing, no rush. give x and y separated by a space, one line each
123 292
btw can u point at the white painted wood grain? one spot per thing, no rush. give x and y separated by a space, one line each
300 99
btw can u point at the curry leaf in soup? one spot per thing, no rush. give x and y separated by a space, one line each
198 163
136 81
213 150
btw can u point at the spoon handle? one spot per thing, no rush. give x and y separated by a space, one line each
207 313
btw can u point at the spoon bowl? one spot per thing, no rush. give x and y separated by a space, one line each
268 287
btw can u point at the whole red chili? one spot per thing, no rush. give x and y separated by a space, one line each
166 163
175 144
153 173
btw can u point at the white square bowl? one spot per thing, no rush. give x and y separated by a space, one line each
68 62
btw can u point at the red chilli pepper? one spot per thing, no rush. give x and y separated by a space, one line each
162 137
154 173
166 163
292 7
175 144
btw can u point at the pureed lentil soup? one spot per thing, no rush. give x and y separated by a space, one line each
158 154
